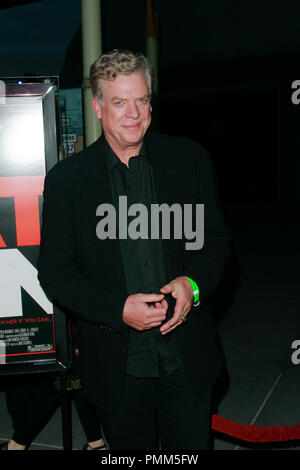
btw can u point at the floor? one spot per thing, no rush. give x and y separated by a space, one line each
257 309
261 324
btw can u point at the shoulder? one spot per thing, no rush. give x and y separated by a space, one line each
70 168
179 148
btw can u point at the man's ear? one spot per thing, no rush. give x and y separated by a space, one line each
97 107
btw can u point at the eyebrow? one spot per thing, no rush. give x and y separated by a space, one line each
118 98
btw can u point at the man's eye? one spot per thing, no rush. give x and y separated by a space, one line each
118 103
143 100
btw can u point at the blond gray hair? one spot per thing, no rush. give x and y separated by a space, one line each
108 66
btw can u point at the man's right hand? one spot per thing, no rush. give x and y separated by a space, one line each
141 316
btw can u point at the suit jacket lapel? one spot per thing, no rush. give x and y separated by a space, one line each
163 170
96 181
96 175
166 184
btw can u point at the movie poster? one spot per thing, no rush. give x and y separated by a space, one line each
71 120
27 139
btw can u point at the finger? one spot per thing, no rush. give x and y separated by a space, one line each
166 289
174 321
151 297
163 333
155 320
179 311
166 328
153 325
157 311
163 304
155 316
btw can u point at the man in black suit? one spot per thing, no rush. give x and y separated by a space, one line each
149 350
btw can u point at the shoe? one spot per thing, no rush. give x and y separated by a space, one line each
88 447
4 446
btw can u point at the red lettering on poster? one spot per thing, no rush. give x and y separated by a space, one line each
25 191
2 243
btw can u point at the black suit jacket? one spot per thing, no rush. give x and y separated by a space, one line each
83 275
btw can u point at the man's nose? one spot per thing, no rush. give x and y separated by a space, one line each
132 110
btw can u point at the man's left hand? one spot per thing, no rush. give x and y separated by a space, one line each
180 288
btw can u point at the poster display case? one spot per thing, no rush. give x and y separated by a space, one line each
32 330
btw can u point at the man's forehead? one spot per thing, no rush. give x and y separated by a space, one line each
123 82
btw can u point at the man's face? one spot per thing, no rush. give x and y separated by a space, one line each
125 110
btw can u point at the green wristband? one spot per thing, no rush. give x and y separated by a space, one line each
195 290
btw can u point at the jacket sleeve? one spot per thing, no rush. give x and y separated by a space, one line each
206 266
58 272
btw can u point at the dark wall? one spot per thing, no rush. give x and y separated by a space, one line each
243 112
225 75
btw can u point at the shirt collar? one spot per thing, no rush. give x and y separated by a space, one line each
112 159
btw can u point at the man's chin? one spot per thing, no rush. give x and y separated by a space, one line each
133 140
135 134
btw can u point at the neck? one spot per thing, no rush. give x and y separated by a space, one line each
124 153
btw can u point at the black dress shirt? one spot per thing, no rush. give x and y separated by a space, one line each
149 353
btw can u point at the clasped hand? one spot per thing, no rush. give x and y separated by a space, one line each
146 311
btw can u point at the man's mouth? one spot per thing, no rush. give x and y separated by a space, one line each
132 127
